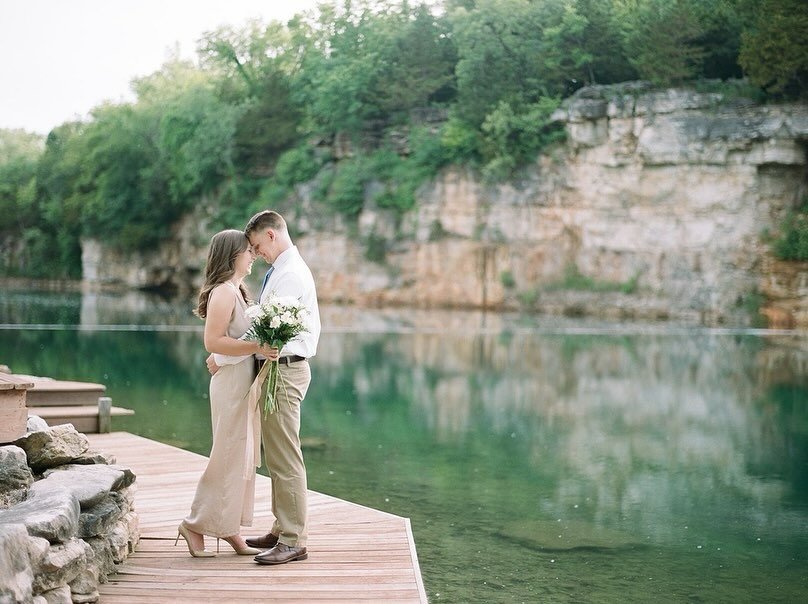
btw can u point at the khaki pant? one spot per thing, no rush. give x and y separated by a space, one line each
280 434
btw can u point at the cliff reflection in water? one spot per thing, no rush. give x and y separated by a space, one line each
643 430
574 449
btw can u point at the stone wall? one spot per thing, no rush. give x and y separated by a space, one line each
657 206
66 516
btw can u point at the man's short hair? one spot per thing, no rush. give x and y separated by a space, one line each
267 219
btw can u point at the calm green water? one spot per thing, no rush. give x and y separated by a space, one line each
539 460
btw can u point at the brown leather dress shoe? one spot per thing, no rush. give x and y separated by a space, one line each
266 542
281 554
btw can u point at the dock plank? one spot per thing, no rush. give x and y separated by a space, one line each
356 553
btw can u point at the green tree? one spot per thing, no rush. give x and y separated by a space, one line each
243 57
499 48
19 144
196 133
512 136
268 126
167 83
338 82
565 55
419 61
122 188
52 235
516 58
20 152
660 39
720 41
601 40
774 50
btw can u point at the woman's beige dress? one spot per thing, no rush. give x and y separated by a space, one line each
226 492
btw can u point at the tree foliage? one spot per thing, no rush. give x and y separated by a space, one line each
774 49
247 123
660 39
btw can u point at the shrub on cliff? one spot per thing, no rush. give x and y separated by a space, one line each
793 243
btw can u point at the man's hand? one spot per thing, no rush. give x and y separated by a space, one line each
271 354
212 366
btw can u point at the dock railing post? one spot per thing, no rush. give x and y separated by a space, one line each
104 414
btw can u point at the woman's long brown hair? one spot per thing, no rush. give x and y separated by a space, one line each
225 246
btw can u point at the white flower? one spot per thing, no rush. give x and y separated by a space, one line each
275 322
254 311
286 301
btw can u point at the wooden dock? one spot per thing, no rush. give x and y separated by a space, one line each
356 554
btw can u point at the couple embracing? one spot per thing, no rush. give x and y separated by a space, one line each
225 494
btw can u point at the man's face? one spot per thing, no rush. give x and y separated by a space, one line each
263 244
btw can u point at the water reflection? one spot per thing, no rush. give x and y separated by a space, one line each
617 415
535 465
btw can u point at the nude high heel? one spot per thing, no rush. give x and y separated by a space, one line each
183 531
244 550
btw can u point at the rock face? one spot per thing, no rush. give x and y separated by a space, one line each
15 476
176 265
657 206
63 533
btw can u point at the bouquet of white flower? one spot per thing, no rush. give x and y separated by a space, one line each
275 323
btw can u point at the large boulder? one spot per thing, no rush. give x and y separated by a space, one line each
15 475
16 574
90 484
53 447
61 564
52 515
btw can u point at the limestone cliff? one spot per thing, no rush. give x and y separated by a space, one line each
657 206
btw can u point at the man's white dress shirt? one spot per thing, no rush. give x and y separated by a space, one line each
290 277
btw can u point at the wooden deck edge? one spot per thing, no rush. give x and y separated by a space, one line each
415 565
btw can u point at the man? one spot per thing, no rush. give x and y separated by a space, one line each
288 275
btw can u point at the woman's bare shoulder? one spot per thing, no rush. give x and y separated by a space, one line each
223 294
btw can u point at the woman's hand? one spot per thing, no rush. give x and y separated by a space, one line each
272 354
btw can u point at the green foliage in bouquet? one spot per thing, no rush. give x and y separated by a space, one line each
275 323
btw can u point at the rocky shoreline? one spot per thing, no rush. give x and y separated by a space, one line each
67 516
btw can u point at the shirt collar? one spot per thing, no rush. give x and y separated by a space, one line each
284 257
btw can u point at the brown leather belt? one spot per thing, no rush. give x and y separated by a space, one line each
288 360
291 359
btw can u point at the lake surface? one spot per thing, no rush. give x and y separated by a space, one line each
540 460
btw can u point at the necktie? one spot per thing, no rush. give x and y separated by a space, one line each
266 278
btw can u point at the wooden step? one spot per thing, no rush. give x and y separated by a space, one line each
85 418
82 404
47 391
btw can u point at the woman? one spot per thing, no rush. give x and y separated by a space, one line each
226 491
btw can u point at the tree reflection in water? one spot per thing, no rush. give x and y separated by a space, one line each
536 463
